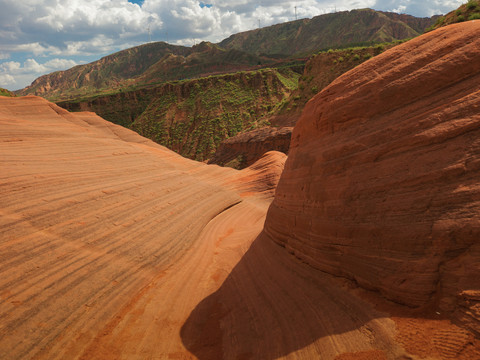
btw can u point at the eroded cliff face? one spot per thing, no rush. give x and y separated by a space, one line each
245 148
382 181
192 117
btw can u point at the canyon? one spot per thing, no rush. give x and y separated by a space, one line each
362 244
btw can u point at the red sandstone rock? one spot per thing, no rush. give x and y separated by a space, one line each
382 180
246 148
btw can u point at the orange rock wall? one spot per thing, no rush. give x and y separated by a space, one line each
382 180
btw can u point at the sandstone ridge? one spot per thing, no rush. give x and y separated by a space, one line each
381 183
113 247
93 216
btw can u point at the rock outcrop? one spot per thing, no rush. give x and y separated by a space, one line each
113 247
192 117
93 216
246 148
382 181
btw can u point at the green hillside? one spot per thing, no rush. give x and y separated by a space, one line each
5 92
466 12
192 117
336 30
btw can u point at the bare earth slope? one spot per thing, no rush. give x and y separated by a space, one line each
382 181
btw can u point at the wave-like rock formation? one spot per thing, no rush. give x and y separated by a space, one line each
92 216
382 181
113 247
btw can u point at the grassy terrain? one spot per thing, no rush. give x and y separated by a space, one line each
337 30
324 67
192 117
5 92
466 12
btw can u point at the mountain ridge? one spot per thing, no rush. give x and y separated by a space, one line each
160 62
378 26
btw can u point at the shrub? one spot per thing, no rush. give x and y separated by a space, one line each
314 89
356 57
471 5
440 20
475 16
367 56
460 18
458 12
340 59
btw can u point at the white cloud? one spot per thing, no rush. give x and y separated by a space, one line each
6 80
400 10
15 75
42 29
419 8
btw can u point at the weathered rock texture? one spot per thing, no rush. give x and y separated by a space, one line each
92 216
247 147
382 180
113 247
244 149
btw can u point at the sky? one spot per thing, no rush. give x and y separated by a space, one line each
41 36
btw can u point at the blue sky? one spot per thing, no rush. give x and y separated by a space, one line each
41 36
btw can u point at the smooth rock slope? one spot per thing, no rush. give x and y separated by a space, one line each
92 215
112 247
382 181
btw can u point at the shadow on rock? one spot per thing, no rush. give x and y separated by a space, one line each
272 305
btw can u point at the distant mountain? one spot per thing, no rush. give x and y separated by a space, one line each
337 30
205 59
5 92
160 62
192 117
142 65
111 71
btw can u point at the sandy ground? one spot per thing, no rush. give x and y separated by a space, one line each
112 247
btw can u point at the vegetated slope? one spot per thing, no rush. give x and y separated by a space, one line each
5 92
141 65
342 29
193 116
320 70
381 182
466 12
109 72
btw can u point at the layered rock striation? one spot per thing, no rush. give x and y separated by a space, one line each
382 181
246 148
93 218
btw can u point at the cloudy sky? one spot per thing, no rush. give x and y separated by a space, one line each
41 36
